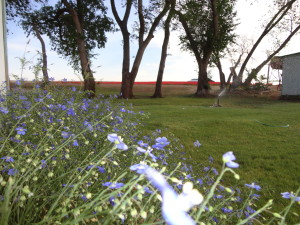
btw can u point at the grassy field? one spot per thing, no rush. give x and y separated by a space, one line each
254 128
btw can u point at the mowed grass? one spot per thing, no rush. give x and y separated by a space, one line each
251 127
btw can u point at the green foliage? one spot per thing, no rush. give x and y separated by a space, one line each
58 24
199 17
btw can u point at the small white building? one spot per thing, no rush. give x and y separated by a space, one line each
290 76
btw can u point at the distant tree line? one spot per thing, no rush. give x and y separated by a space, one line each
206 27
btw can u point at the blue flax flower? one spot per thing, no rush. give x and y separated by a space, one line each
197 144
174 206
4 110
161 142
75 143
8 159
21 130
18 82
254 186
148 151
12 172
142 144
228 159
289 195
114 138
113 185
65 134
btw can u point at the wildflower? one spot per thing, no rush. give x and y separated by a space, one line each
215 171
254 186
228 159
161 142
71 112
100 169
21 130
289 195
8 159
197 144
4 110
226 210
64 80
88 125
147 152
75 143
12 172
65 134
18 82
113 185
114 138
174 206
142 144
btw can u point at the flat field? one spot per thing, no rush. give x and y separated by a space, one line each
262 131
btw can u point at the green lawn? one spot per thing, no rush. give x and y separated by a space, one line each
250 127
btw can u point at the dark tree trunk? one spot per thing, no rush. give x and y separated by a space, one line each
124 92
89 81
44 55
221 74
164 53
127 86
143 44
207 49
203 85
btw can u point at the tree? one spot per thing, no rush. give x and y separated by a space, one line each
15 7
284 7
144 36
31 25
208 27
75 28
158 92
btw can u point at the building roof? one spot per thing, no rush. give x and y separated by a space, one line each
294 54
276 61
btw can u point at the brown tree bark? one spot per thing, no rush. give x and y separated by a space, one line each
44 55
221 74
125 91
203 85
89 81
158 91
144 43
128 76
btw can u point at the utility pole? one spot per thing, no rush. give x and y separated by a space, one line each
3 47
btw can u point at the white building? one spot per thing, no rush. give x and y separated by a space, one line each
3 50
291 76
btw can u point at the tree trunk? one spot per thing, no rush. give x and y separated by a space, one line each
158 92
126 64
221 74
203 85
124 92
89 81
44 55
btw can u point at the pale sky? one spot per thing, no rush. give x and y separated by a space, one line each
107 66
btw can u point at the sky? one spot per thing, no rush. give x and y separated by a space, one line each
107 66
